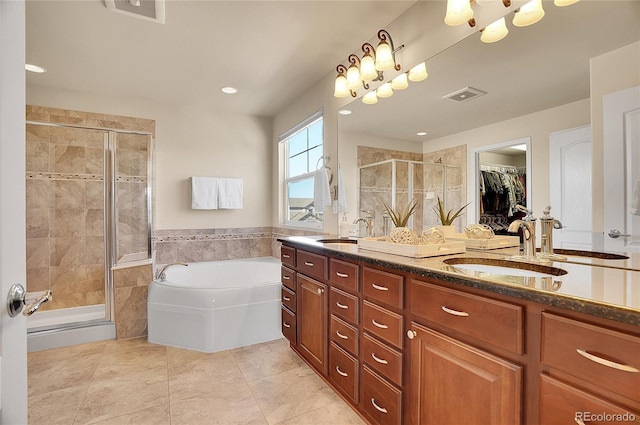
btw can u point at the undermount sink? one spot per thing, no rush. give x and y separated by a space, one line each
495 267
590 254
338 241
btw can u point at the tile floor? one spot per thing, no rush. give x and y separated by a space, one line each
135 382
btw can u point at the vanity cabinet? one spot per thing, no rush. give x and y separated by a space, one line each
312 317
587 366
406 348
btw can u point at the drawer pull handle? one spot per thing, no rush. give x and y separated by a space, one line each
411 334
380 409
341 336
286 325
378 359
341 372
345 307
286 277
308 263
605 362
379 288
286 298
455 312
341 274
286 255
379 325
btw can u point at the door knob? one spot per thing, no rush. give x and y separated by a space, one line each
17 300
615 234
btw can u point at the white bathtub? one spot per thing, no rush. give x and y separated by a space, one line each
216 305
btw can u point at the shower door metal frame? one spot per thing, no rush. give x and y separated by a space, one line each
110 210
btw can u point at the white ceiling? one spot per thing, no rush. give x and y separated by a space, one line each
271 51
532 69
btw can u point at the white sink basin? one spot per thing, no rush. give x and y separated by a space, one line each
492 267
481 269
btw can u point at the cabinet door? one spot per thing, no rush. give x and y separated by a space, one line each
313 305
454 383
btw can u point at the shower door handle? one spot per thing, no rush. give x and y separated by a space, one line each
17 299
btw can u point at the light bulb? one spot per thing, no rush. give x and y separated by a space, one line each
495 31
341 89
384 57
370 98
529 14
485 2
400 82
368 68
384 90
353 77
458 12
562 3
418 72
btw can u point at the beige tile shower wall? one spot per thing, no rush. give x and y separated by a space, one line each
131 287
65 207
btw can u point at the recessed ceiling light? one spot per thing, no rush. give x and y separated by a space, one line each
421 133
344 112
229 90
34 68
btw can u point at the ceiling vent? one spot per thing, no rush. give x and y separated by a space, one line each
149 10
464 94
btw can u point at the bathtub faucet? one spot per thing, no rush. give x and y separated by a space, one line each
161 276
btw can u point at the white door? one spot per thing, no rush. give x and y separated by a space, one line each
621 126
13 331
570 187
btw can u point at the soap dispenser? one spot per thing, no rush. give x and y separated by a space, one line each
343 231
547 224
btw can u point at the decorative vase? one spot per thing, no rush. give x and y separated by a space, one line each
447 231
404 235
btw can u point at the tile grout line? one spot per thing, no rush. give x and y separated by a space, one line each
253 396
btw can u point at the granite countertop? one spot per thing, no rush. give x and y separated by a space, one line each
600 287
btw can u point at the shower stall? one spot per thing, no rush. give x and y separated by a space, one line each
88 202
397 182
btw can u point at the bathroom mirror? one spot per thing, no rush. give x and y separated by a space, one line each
534 70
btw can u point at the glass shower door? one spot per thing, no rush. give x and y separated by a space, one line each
65 187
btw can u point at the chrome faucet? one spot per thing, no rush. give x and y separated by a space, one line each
547 224
368 222
161 276
528 225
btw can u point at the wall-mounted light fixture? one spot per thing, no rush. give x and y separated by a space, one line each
371 68
460 11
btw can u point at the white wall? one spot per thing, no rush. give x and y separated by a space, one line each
538 126
191 140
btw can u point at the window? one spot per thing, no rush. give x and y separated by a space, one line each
303 153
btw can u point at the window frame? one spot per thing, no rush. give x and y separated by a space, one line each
286 181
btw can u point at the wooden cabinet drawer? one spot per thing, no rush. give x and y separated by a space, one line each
344 274
344 305
312 264
288 256
600 356
344 335
494 322
289 325
383 286
562 404
288 278
288 298
380 400
343 370
383 323
384 360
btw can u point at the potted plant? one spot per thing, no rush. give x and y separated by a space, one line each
400 217
447 218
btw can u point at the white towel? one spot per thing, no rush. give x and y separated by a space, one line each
342 193
204 193
635 198
230 193
321 191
